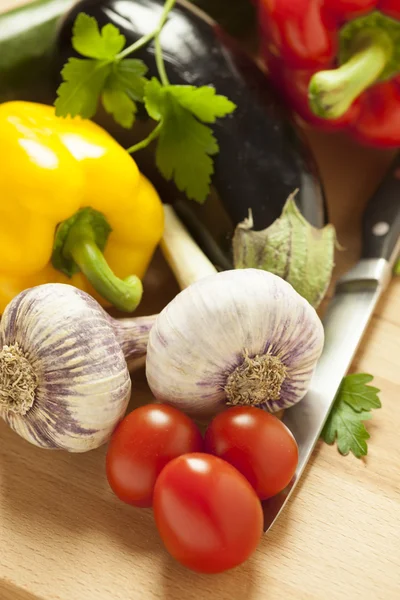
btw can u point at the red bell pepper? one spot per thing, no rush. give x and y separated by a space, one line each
337 62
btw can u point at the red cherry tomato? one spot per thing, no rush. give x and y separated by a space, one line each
258 444
142 444
207 513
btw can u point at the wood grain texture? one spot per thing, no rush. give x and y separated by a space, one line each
63 535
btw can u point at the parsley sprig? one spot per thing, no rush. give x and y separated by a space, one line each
182 113
352 406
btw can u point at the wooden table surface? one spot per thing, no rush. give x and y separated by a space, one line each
64 536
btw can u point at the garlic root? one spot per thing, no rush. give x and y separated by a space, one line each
18 380
255 379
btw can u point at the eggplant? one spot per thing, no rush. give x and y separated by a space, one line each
263 157
237 17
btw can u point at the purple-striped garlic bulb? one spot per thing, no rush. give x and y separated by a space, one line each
64 382
240 337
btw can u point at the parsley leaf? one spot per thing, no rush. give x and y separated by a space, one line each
83 82
154 99
85 79
130 74
346 427
184 151
185 145
203 102
357 394
119 105
351 408
90 42
124 86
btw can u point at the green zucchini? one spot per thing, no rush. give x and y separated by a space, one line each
27 35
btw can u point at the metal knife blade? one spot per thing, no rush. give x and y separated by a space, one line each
346 319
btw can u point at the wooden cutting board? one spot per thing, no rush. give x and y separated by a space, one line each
63 535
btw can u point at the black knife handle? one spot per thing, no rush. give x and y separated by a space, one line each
381 225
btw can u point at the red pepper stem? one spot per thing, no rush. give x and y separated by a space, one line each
331 93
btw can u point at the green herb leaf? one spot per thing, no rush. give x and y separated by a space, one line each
290 248
202 102
85 79
83 82
124 86
351 408
346 427
185 145
357 394
90 42
184 152
154 99
119 105
129 73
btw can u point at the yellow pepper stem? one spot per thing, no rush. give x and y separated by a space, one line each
79 246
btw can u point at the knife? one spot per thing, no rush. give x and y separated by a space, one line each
346 319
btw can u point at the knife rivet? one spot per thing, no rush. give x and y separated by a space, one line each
380 228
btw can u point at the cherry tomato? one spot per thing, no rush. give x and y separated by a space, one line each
142 444
258 444
207 513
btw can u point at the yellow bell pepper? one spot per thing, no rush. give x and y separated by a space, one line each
68 191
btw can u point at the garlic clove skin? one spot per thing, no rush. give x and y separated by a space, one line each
198 346
81 382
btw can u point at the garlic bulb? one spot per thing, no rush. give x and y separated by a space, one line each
64 382
237 337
